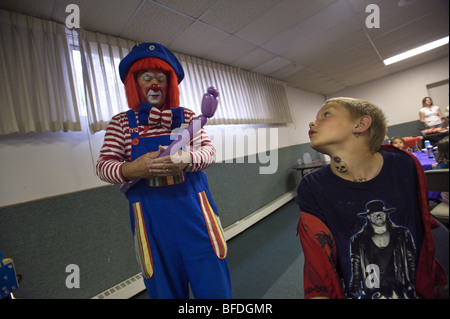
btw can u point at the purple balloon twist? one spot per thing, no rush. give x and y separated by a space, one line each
209 107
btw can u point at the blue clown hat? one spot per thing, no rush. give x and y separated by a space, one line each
150 50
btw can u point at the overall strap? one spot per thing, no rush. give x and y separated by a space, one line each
177 117
132 124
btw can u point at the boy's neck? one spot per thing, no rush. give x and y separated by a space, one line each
357 166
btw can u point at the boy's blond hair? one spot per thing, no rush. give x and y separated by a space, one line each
358 108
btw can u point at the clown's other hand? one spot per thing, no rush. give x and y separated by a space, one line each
169 165
139 168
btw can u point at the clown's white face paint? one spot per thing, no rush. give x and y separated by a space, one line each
153 85
154 96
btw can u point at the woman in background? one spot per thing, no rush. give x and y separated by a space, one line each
431 114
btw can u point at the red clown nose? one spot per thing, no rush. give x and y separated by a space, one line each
155 87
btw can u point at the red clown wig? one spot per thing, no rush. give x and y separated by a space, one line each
134 94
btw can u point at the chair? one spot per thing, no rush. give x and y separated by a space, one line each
437 180
441 236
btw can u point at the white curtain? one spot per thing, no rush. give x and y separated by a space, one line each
245 97
37 88
103 89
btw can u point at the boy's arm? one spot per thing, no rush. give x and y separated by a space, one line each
319 247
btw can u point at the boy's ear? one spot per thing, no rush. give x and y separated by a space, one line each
363 124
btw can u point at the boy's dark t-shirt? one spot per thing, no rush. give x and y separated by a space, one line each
376 225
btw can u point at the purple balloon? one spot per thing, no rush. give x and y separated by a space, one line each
209 102
209 107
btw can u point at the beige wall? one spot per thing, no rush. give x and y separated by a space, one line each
400 95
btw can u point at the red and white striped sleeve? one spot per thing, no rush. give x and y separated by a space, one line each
115 151
201 148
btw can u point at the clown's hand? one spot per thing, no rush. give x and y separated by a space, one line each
139 167
169 165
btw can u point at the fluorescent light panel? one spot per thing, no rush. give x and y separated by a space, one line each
416 51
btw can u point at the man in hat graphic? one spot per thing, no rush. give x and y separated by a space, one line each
383 256
177 233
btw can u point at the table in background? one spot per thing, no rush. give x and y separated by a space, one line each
424 160
434 138
312 165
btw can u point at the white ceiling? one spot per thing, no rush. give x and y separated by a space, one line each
322 46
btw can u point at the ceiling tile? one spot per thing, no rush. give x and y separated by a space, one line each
271 66
326 19
284 15
147 25
232 15
38 9
393 17
419 59
97 15
344 37
413 35
285 71
186 7
198 40
253 58
302 76
361 5
316 45
230 50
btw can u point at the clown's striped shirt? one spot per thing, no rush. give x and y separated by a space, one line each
116 149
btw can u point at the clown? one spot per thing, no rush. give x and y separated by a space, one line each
177 233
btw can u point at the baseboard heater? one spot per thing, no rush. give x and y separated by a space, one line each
135 285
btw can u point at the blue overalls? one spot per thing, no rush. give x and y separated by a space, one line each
176 228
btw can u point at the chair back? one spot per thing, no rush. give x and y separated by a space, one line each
437 180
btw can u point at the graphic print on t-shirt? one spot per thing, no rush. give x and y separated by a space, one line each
383 256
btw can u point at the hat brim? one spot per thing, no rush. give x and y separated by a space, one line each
387 211
150 50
